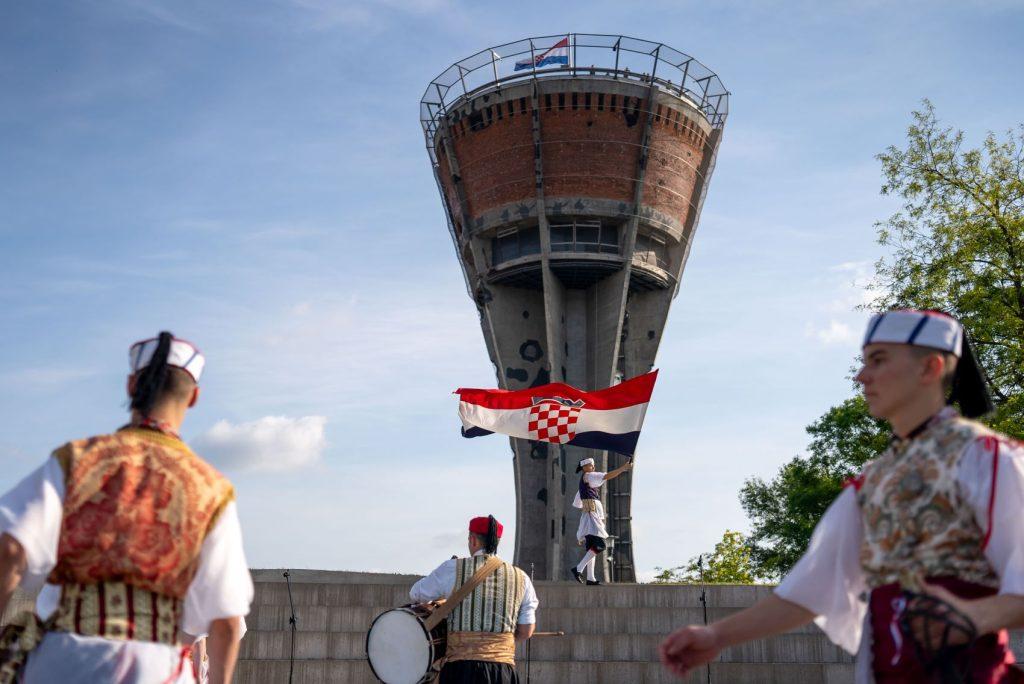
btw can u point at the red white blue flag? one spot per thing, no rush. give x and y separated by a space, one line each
608 419
556 54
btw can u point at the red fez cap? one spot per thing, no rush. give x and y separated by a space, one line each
480 525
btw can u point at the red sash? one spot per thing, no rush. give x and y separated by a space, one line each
893 658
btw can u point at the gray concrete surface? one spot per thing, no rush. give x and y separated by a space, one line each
612 633
611 637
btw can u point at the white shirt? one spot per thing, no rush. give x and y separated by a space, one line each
441 583
222 587
829 581
591 522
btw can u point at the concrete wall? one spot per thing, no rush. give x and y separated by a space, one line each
611 633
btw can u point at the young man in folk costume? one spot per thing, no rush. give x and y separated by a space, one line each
484 627
142 537
918 566
591 532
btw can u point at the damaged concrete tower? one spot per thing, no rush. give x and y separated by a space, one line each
572 169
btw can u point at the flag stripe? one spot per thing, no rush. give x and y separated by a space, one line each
629 393
515 422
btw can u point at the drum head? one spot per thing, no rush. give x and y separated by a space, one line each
399 648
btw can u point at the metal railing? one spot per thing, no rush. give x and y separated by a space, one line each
587 54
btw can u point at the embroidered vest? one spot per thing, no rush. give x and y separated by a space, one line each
915 519
494 604
137 506
586 491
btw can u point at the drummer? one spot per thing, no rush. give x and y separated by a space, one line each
481 640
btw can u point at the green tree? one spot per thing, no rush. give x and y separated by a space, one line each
784 510
957 244
729 563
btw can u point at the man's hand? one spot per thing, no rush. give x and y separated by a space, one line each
689 647
930 632
524 632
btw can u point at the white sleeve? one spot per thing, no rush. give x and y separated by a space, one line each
828 580
528 608
32 513
997 511
595 479
436 585
222 586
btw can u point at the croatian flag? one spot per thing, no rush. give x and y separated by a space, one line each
557 54
608 419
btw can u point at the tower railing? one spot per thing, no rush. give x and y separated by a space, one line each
587 54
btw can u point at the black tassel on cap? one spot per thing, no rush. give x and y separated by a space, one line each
151 380
970 390
491 541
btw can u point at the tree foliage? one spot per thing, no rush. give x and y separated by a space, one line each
784 510
729 563
957 244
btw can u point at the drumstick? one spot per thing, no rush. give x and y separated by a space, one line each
548 634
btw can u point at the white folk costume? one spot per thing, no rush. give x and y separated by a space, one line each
143 539
944 503
591 531
481 629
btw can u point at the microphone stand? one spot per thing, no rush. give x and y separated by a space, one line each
529 641
293 621
704 602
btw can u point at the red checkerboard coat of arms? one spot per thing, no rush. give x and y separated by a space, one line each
553 419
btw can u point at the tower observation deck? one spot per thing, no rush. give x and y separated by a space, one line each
572 186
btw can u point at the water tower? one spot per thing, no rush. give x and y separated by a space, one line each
572 169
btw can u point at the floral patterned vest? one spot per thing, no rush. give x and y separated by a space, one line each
137 506
915 519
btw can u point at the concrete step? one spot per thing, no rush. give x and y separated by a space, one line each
787 648
570 620
608 672
552 595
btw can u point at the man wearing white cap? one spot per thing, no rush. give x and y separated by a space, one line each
917 567
140 535
591 532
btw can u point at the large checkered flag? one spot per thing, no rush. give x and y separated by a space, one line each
608 419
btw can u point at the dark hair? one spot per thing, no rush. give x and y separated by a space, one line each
491 540
158 380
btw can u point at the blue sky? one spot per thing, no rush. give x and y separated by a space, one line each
252 176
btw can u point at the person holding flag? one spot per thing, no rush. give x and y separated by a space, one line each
591 532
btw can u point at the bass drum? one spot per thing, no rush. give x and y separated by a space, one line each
401 650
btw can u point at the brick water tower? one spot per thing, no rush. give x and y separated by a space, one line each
572 169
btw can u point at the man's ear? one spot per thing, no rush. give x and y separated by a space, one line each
934 368
195 397
130 385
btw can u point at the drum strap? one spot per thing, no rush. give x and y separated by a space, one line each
492 564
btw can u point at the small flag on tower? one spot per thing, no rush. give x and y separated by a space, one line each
608 419
556 54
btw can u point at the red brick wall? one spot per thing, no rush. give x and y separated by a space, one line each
590 147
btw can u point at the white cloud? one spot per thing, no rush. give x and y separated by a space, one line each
271 443
836 332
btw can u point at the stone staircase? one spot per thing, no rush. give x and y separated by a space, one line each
612 633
